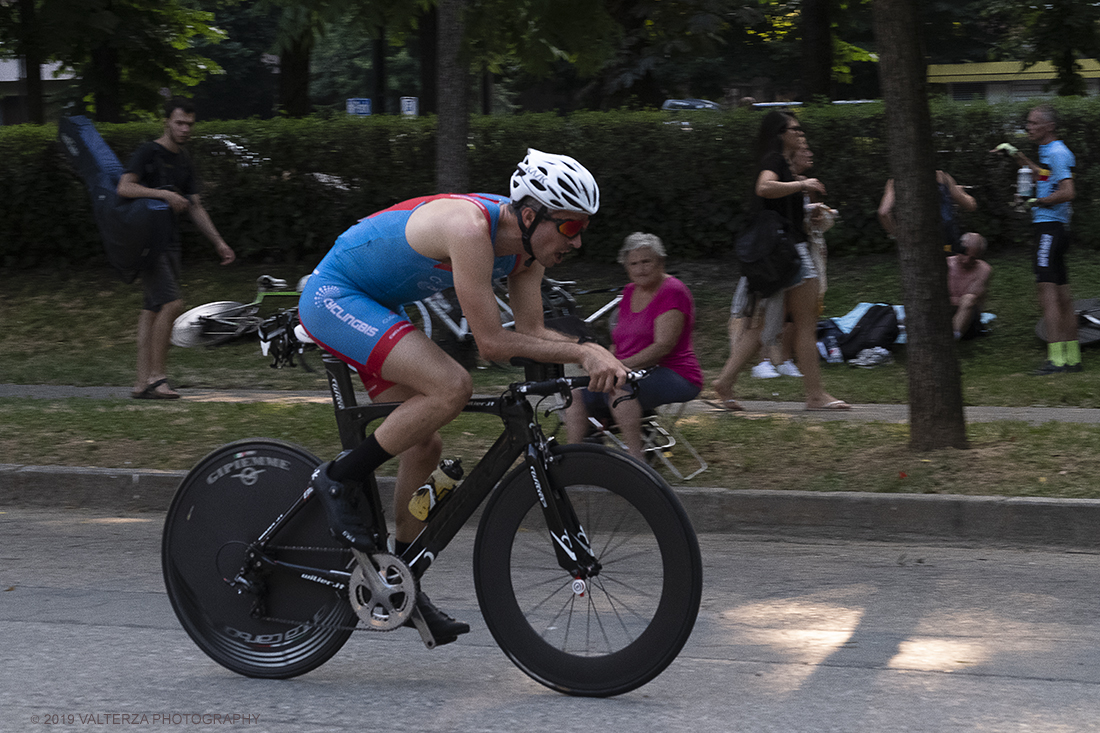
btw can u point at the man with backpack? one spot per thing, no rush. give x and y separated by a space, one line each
161 169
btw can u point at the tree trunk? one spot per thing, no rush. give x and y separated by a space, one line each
32 61
451 168
935 390
429 61
487 92
294 78
817 50
106 84
378 61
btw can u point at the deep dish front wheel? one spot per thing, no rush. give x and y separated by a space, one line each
620 628
282 623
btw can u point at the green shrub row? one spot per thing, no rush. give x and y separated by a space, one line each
283 189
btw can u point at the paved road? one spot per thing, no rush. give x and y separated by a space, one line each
795 634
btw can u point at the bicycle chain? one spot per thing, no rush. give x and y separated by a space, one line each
307 547
313 624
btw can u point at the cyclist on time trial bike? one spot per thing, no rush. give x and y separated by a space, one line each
352 307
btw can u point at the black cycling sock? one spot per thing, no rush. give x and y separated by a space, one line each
399 547
362 460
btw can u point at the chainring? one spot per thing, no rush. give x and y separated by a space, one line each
382 590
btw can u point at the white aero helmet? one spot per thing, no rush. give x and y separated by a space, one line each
556 181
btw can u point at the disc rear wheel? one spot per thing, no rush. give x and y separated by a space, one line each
279 623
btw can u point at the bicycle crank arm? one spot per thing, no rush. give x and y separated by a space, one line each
382 590
421 625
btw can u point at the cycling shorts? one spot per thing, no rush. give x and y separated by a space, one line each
1051 244
356 329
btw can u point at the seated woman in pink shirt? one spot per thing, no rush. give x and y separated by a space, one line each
656 319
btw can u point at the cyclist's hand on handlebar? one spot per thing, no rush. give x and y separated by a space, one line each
605 372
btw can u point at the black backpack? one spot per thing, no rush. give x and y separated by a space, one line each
877 327
133 230
766 252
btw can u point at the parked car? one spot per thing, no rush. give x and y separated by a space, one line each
679 104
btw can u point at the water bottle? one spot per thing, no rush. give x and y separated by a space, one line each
439 485
1023 183
832 347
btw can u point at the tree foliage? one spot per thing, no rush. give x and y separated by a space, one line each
124 52
1059 31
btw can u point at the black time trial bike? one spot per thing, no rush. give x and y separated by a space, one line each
586 566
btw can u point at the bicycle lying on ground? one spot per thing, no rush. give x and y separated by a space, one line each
587 569
214 324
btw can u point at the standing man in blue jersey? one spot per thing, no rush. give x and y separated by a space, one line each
1050 215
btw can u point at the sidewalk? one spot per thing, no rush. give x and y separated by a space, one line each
1069 522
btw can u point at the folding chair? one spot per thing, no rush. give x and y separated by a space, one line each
659 436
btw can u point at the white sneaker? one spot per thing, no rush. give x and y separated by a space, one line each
788 369
764 370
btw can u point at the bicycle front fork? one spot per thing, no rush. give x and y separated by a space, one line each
571 543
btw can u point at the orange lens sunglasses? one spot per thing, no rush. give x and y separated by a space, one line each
569 228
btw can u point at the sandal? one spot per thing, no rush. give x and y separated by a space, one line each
729 405
150 392
830 406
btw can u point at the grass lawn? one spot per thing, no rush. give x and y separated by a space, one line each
79 329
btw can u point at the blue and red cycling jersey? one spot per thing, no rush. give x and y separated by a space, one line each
352 303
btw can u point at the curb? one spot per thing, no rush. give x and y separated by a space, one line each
862 515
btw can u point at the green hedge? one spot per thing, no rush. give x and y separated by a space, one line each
283 189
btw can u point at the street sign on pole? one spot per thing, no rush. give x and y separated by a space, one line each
359 106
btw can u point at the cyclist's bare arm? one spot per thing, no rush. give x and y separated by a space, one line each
455 231
525 296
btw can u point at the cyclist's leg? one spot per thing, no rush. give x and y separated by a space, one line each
396 361
416 464
433 389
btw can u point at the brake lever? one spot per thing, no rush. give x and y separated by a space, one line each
635 376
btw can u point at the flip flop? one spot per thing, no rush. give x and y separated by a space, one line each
150 392
830 406
730 405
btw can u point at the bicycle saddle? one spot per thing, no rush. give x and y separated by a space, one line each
267 282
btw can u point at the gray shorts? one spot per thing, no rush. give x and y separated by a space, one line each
160 281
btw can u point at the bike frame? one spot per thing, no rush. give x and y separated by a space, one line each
521 437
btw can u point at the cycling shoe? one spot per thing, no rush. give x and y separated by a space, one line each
444 628
345 520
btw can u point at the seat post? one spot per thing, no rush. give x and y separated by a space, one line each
343 399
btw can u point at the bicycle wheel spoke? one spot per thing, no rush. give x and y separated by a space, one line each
631 617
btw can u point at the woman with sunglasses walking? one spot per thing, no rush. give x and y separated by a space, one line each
778 188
